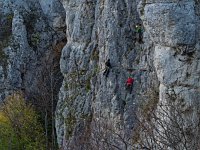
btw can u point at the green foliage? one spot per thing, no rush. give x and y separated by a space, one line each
137 60
9 17
87 85
87 117
5 36
35 38
19 125
73 75
95 55
3 57
5 27
66 86
70 123
30 21
70 100
6 133
96 71
83 72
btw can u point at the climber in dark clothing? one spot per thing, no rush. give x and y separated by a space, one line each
139 34
129 84
107 68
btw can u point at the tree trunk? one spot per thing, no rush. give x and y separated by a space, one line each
46 128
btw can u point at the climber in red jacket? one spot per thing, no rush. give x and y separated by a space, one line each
129 84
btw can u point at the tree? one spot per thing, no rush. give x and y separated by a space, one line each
46 96
21 126
167 125
159 125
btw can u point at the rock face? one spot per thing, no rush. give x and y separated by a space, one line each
175 22
95 111
92 105
173 26
100 30
32 35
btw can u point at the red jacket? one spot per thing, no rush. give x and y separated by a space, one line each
129 81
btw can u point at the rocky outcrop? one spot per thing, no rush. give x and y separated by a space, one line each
173 26
32 36
92 105
89 100
95 111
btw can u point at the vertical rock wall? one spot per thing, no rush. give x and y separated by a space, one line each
173 26
32 34
91 104
94 110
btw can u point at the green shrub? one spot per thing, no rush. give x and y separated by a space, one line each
21 126
35 39
95 55
70 123
87 85
3 57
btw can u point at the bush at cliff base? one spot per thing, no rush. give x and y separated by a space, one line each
19 125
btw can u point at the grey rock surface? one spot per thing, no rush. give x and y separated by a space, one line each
95 111
30 43
173 26
97 31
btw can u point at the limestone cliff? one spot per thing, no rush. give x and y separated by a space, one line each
173 26
32 34
95 111
91 104
100 30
